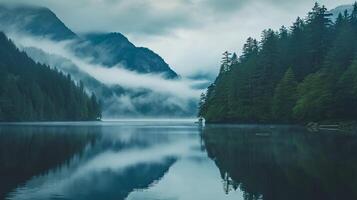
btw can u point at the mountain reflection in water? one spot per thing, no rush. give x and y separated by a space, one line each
174 160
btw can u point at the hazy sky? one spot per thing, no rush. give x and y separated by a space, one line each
189 34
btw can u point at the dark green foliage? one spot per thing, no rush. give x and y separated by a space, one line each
201 104
285 97
346 93
305 73
314 99
33 92
354 15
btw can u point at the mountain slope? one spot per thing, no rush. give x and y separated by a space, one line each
107 50
341 9
111 49
116 101
38 21
33 92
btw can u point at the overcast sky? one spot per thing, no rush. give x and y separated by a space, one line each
189 34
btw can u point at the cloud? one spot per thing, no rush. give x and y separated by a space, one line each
156 16
195 50
116 75
135 16
150 94
189 34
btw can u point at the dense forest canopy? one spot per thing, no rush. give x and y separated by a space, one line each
307 72
33 92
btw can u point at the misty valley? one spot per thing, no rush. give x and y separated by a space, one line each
162 100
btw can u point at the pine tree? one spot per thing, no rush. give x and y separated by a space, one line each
318 22
201 105
343 46
234 59
250 49
298 49
226 62
353 17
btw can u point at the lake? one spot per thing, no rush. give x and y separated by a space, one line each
174 160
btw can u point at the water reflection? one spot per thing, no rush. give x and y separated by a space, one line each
29 151
107 161
174 160
273 163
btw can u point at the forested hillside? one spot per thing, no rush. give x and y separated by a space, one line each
33 92
307 72
109 51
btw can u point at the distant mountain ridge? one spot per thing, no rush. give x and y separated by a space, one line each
341 9
109 49
114 48
27 18
114 98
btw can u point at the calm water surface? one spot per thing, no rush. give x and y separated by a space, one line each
174 160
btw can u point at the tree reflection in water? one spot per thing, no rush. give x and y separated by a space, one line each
283 162
31 151
80 162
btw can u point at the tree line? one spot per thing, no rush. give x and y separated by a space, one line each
307 72
30 91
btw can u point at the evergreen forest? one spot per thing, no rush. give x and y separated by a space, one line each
302 73
30 91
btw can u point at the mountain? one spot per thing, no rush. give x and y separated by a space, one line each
341 9
114 48
34 92
304 74
116 100
108 50
33 20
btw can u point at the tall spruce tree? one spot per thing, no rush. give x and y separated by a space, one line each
354 14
